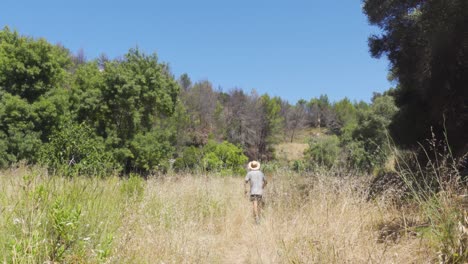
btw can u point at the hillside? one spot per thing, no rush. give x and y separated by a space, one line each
291 151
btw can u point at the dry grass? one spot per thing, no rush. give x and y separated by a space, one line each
290 151
207 219
306 220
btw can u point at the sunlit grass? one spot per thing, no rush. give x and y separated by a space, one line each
195 219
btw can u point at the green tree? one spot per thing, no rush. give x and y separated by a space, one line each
426 43
366 141
33 101
269 126
345 111
126 101
30 68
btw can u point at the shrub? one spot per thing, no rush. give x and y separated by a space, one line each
190 159
357 156
151 151
218 157
228 157
323 151
211 162
74 149
298 166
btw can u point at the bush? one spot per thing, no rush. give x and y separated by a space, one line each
74 149
357 156
151 151
190 159
211 162
323 151
298 166
217 157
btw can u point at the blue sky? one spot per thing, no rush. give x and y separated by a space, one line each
293 49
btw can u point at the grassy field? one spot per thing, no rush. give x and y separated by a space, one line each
199 219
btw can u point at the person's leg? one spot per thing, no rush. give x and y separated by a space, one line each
255 208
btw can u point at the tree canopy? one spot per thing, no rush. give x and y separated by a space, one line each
426 43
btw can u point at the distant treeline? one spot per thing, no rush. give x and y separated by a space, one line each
132 115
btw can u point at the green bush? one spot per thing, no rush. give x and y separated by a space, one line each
323 151
189 160
217 157
75 150
357 156
211 162
298 166
151 151
365 141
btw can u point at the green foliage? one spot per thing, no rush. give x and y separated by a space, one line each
323 151
30 68
345 111
426 44
358 158
213 156
17 118
366 141
32 101
65 220
133 187
211 162
75 150
151 151
269 126
190 159
124 101
298 166
223 155
57 219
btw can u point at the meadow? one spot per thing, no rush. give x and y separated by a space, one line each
307 218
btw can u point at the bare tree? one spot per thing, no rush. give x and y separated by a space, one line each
201 102
296 119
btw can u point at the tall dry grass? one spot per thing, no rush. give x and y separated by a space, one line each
320 219
203 219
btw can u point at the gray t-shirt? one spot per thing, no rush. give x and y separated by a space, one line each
256 179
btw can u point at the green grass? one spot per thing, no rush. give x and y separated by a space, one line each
59 219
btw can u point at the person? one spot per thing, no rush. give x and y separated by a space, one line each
257 181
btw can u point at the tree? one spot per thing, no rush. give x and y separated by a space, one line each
201 102
185 82
268 126
296 118
319 109
366 140
426 43
127 102
33 99
345 111
30 68
239 115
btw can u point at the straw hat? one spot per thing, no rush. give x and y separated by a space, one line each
254 165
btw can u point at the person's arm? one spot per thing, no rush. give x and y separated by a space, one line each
265 182
246 181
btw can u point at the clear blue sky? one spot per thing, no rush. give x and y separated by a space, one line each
293 49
